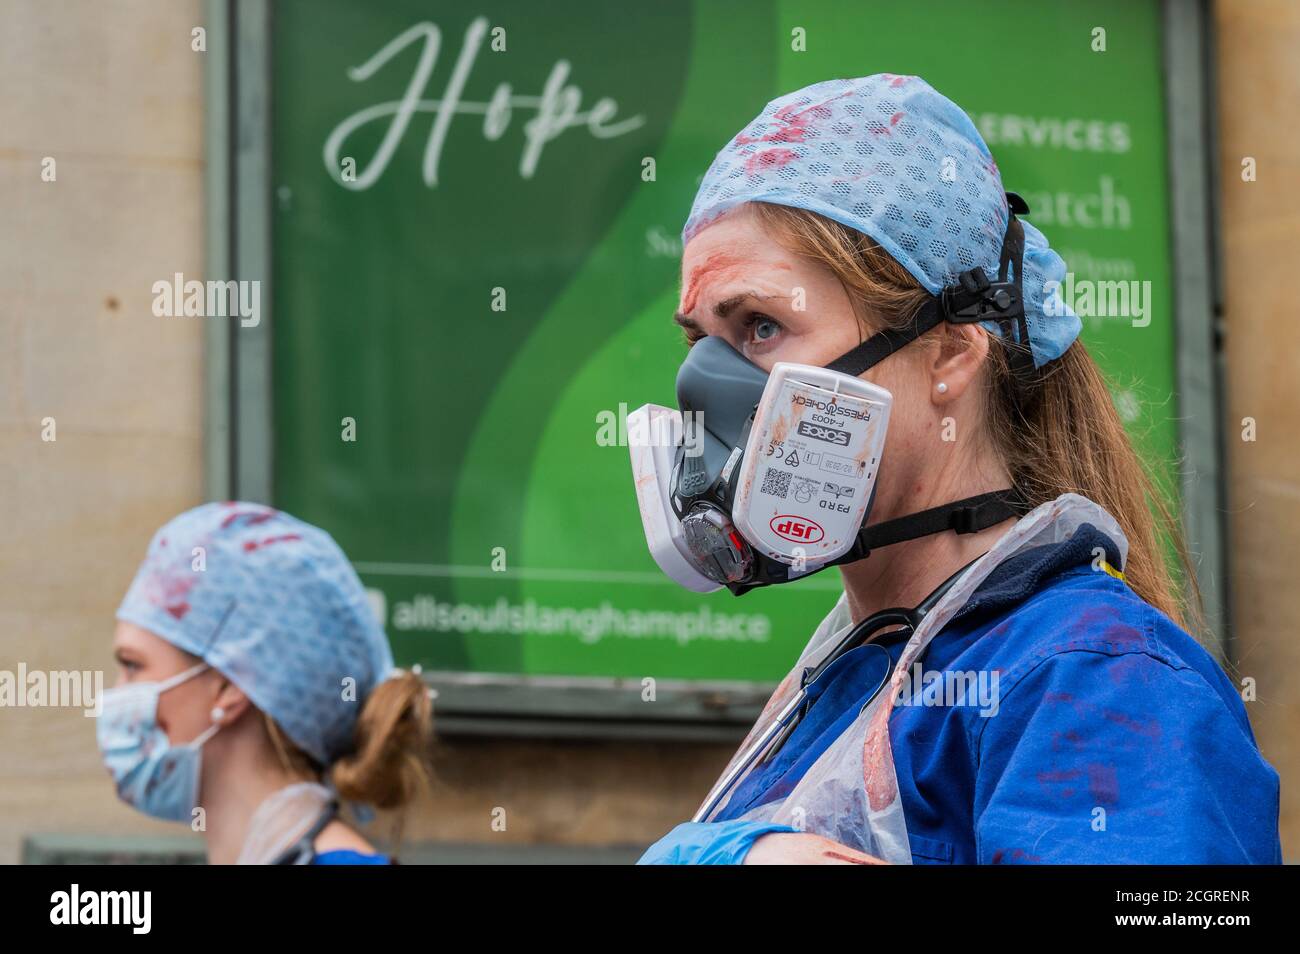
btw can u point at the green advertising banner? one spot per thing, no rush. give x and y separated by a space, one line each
474 274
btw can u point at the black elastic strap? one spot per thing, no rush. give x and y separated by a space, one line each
973 299
1013 253
884 343
970 515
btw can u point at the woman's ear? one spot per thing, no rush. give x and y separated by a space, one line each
963 349
230 702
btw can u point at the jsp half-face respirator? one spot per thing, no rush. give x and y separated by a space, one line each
761 478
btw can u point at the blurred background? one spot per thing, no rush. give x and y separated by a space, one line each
453 230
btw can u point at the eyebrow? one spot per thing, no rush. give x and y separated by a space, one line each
690 324
722 309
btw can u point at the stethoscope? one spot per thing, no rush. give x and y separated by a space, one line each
779 730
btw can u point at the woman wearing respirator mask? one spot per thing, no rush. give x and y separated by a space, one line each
884 378
256 692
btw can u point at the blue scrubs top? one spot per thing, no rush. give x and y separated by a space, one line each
346 856
1114 738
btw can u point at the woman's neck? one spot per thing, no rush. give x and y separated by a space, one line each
906 573
230 798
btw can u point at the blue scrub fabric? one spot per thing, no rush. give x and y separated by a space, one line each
346 856
1113 737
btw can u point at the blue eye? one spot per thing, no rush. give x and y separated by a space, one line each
764 328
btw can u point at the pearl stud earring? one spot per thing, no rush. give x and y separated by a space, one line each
943 388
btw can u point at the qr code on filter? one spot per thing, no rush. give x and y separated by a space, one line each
776 482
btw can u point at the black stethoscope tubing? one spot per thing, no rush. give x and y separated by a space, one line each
770 741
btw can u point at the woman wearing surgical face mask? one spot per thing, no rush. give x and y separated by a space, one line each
1103 732
256 695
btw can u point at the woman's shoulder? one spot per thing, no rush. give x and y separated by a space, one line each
340 844
1088 630
1061 609
349 856
1088 610
1106 701
1065 598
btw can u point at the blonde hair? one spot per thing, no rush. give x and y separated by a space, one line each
1061 435
389 764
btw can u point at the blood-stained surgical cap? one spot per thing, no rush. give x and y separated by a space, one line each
272 603
901 163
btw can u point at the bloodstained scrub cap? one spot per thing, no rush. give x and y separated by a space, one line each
274 605
899 162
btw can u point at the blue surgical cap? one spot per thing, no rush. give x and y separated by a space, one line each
273 604
901 163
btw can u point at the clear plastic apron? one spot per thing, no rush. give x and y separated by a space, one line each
850 794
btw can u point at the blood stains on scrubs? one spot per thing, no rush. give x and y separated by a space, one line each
1059 784
775 158
170 591
1002 856
251 517
878 763
792 125
250 545
1068 741
1149 730
1103 784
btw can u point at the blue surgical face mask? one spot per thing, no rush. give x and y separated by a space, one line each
151 774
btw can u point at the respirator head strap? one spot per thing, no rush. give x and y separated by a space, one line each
972 299
884 343
970 515
1013 255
